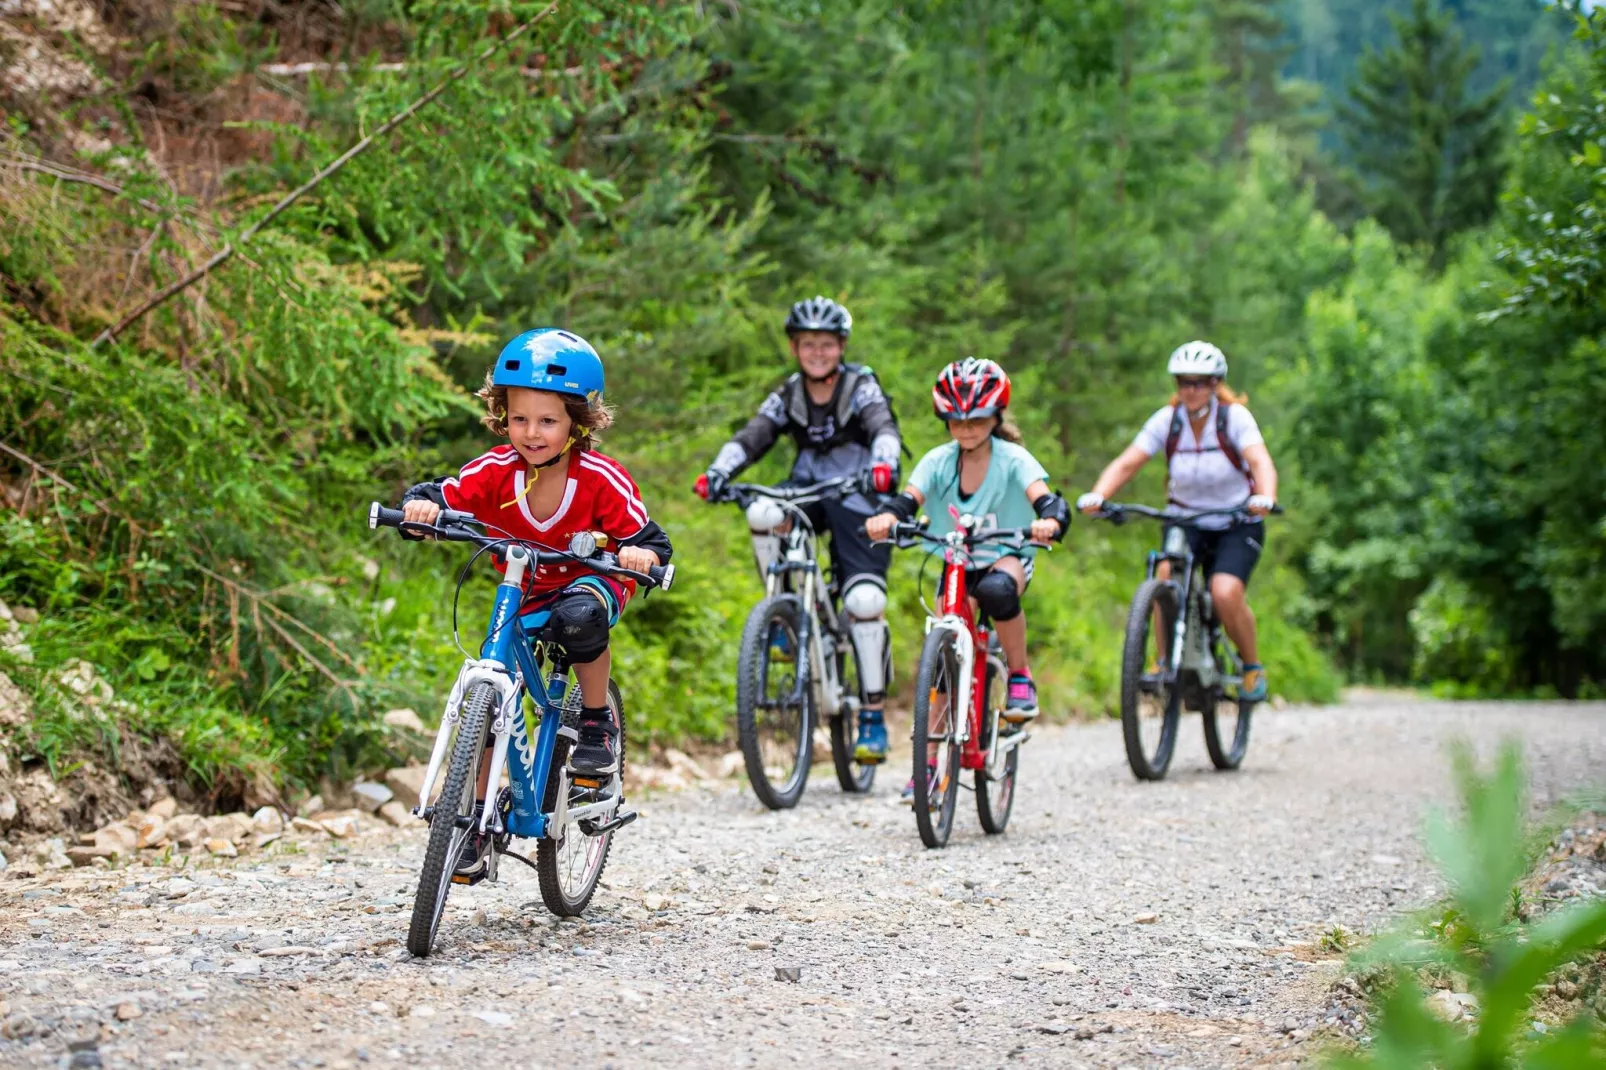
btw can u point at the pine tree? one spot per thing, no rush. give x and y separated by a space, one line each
1250 44
1429 152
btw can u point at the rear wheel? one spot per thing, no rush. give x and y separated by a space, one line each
996 798
774 707
1226 716
569 868
450 820
855 778
936 737
1151 701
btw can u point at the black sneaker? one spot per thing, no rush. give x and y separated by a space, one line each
473 862
595 758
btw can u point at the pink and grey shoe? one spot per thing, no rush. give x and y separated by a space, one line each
1021 704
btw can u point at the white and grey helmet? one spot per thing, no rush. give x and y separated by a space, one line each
819 314
1197 358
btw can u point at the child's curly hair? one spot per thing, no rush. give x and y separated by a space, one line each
589 420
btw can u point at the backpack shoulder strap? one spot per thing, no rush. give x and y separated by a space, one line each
797 406
1228 448
1174 436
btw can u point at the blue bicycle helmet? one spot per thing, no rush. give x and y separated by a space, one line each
554 360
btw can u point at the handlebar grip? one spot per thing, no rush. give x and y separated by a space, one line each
379 516
663 576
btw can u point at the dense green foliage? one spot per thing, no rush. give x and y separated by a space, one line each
1429 153
1073 188
1482 944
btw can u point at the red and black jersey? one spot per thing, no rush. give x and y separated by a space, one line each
598 495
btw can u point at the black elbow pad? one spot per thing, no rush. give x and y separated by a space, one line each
904 506
1052 507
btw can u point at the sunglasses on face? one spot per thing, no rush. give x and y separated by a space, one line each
1193 384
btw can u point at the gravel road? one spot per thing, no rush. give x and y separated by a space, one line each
1115 924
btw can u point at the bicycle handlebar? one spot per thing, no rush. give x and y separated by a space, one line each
453 526
906 534
742 493
1117 512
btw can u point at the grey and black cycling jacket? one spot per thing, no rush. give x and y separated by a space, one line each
843 437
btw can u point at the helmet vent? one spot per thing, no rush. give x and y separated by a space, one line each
511 365
556 369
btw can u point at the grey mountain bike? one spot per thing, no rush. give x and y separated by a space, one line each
1177 655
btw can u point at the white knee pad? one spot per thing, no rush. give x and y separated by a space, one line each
763 517
865 601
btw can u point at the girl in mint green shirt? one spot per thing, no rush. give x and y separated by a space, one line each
985 471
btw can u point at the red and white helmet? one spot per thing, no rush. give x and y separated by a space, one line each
970 389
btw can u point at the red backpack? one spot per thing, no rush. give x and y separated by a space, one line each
1174 437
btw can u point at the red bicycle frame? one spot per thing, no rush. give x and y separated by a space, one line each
955 600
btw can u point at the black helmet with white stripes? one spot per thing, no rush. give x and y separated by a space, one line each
819 314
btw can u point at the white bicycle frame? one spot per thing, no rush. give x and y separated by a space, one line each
801 547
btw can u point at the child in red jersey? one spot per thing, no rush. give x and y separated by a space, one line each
543 485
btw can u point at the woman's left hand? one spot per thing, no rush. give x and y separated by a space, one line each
1045 530
1259 504
637 559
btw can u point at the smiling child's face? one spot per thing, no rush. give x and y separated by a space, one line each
538 424
972 433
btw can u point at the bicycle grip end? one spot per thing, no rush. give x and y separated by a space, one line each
379 516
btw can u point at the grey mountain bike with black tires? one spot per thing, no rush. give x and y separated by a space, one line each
796 658
1177 655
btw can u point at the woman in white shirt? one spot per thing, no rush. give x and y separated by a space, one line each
1216 460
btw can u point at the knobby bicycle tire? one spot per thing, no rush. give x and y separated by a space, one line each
1134 659
995 799
855 779
548 852
1230 755
440 854
751 674
939 661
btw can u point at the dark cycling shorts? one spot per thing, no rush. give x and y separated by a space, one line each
974 576
852 553
1233 550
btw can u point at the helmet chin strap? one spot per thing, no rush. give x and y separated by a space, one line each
537 469
825 378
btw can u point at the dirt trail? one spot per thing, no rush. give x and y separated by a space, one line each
1115 924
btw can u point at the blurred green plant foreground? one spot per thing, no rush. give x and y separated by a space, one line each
1481 943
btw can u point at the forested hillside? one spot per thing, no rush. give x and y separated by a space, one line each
1072 188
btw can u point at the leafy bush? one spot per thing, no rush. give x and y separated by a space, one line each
1476 937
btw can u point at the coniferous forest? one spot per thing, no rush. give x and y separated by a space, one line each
1389 215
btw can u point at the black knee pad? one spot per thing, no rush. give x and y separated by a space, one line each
579 625
997 596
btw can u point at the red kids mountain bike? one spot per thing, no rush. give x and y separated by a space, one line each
961 658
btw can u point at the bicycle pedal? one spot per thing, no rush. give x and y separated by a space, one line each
618 822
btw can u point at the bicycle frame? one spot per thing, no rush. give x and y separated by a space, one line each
1190 641
508 664
953 611
800 556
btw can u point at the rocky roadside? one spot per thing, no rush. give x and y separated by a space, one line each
1177 924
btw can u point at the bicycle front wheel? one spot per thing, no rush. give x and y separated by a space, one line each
1151 701
936 737
569 861
995 798
774 704
450 822
1226 716
856 779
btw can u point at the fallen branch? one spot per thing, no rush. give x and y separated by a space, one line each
298 70
223 255
257 598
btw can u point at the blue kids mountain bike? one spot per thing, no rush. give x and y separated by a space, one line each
572 825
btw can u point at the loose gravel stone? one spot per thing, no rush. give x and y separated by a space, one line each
292 953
